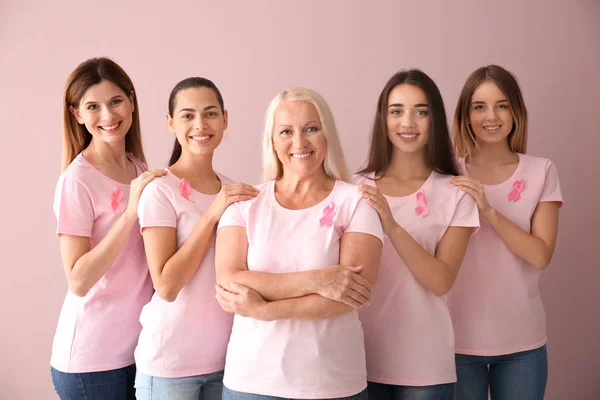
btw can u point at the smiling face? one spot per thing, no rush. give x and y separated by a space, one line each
298 138
490 115
408 118
106 111
197 121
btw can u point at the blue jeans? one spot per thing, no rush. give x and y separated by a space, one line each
229 394
513 376
381 391
116 384
199 387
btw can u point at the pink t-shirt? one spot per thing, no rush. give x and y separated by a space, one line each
495 303
298 358
188 336
408 332
99 331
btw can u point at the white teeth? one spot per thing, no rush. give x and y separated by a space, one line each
200 138
408 136
300 155
491 128
111 127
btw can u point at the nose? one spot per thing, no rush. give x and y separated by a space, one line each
299 140
199 123
106 113
407 120
491 114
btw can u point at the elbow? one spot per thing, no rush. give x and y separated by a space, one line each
441 290
167 293
78 289
542 264
543 260
443 286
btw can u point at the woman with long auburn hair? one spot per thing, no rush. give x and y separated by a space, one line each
427 222
499 319
101 246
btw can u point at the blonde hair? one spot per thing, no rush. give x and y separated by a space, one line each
462 134
75 136
334 164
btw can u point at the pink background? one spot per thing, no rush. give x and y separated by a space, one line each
346 50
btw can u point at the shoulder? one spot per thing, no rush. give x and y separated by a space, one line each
138 163
445 191
363 179
535 163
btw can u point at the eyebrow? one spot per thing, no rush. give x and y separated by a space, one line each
402 105
192 110
111 99
483 102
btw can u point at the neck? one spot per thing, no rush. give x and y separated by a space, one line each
405 166
107 153
491 153
301 186
195 168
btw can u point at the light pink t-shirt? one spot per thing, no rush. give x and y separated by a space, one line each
188 336
495 303
408 332
298 358
98 332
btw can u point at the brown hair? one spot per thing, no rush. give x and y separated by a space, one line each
189 83
464 139
76 136
438 151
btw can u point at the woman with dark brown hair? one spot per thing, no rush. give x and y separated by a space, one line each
497 311
101 246
409 341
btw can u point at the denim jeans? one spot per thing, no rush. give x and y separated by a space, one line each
381 391
229 394
199 387
517 376
116 384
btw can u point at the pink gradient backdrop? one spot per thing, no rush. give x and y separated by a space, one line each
346 50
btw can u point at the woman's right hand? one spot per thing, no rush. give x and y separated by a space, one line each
230 194
136 188
344 284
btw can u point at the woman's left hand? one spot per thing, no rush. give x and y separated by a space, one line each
475 189
244 301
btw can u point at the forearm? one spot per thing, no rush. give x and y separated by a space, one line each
431 272
91 266
311 307
274 286
525 245
181 267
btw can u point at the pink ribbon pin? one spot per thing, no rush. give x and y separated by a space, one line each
515 193
328 214
117 196
421 209
185 189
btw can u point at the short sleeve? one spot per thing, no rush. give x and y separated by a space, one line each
466 213
155 209
232 216
551 190
73 208
365 220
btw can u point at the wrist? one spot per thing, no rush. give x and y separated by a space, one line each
129 217
263 312
488 214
